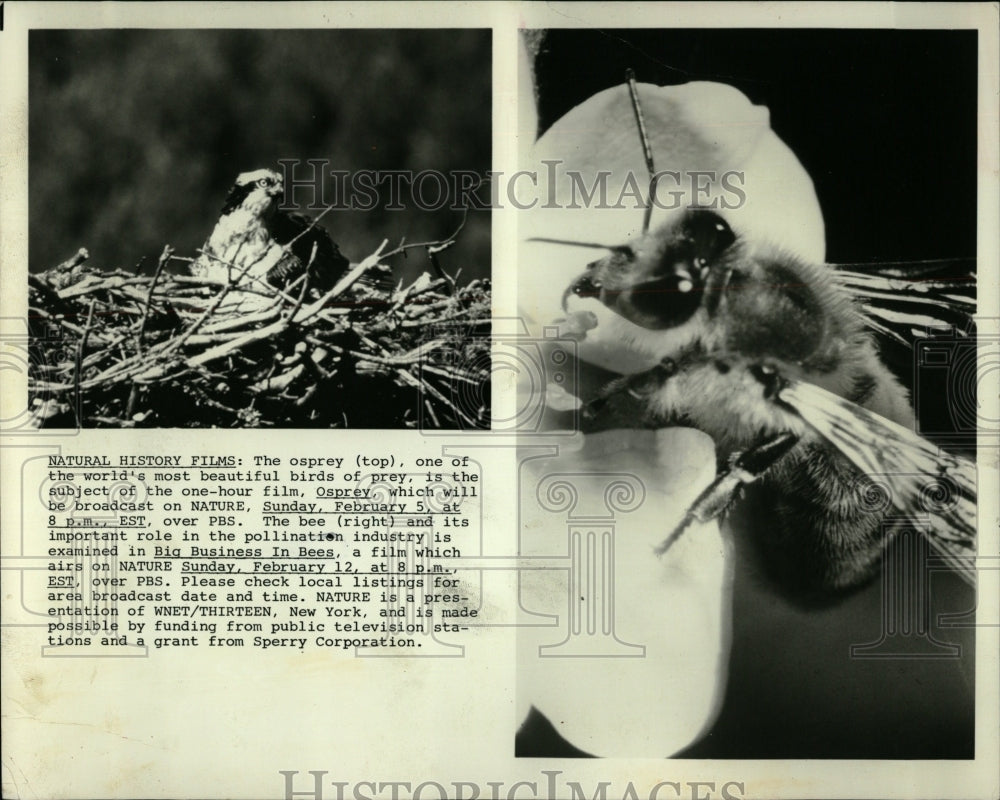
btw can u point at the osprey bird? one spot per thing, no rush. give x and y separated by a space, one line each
255 235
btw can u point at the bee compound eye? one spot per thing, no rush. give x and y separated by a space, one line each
666 302
709 235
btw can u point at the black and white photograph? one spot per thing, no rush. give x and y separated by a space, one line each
499 400
796 284
260 228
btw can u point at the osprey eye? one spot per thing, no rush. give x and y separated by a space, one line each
263 183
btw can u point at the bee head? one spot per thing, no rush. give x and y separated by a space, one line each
661 279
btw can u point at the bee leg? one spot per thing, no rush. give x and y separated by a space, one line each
745 468
637 386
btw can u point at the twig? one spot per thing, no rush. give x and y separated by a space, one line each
310 311
430 411
304 231
432 255
305 282
454 375
214 304
164 257
413 356
230 347
76 329
244 320
402 248
97 285
78 406
74 261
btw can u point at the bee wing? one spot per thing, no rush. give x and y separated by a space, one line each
922 479
905 301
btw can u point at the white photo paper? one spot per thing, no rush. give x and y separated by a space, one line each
499 400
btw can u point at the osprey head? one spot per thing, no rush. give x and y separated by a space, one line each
258 192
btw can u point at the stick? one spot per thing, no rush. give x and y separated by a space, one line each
305 282
164 257
311 311
78 406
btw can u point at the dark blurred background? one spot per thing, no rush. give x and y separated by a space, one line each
135 136
884 121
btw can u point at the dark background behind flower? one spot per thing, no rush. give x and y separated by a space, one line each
884 121
135 136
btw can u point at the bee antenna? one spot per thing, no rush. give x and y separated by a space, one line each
569 242
647 151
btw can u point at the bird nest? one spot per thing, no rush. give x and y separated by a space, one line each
124 350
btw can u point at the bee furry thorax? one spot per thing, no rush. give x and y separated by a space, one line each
255 239
787 316
727 320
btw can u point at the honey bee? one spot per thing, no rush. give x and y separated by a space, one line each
775 358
